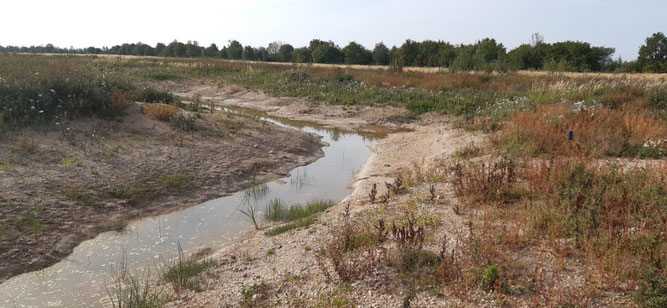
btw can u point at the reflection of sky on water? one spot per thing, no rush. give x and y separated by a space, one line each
80 279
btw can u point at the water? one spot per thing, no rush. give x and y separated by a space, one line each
81 278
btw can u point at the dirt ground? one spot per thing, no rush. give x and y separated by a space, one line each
66 183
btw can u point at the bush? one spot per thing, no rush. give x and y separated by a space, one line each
419 107
160 112
413 260
396 65
149 95
488 276
653 291
657 98
181 122
120 101
352 257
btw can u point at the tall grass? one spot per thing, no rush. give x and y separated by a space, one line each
131 290
277 211
182 273
39 90
295 216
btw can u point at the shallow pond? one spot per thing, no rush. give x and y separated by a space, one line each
81 279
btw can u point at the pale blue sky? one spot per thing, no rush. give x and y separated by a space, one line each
80 23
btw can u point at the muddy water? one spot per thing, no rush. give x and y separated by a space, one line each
81 280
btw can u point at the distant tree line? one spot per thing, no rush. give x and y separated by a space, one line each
484 55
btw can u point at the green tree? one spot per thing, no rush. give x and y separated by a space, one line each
285 53
325 52
159 47
427 54
579 56
249 53
302 55
262 54
381 54
235 50
357 54
489 50
446 54
149 51
273 50
409 53
224 53
193 50
211 51
653 54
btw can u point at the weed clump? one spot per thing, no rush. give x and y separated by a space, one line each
653 291
150 95
483 181
182 272
352 252
120 101
277 211
162 112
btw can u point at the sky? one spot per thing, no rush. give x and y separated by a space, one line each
623 25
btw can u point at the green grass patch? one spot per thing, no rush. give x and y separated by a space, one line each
150 95
81 197
301 223
277 211
151 185
182 273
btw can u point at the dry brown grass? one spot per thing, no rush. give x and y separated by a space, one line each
120 101
598 131
162 112
571 209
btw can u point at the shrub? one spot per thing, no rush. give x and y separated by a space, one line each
184 123
653 291
419 107
413 260
408 237
484 181
657 98
488 276
149 95
396 65
160 112
120 101
352 257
